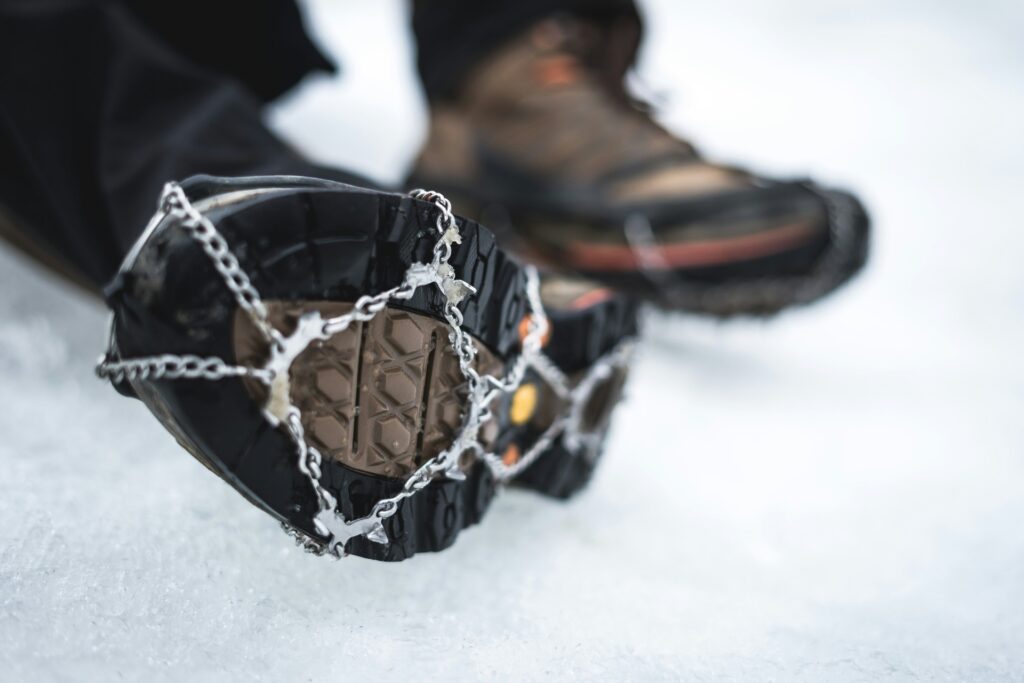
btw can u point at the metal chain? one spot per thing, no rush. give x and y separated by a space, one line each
169 366
576 438
173 201
482 389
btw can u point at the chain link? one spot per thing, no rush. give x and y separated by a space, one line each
174 202
169 366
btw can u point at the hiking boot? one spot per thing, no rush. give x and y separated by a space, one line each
364 366
543 142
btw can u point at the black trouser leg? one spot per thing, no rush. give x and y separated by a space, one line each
96 114
453 35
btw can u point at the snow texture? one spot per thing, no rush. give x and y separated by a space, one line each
835 495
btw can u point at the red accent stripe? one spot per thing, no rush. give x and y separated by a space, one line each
689 254
591 298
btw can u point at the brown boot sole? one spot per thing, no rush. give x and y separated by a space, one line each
382 397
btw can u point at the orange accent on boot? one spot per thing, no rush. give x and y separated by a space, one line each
511 455
524 329
616 257
557 71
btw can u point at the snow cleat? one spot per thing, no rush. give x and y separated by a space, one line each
364 366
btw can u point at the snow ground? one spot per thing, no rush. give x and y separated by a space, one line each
836 495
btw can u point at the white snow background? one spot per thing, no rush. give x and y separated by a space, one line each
835 495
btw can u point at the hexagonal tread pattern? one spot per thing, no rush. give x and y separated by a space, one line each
381 397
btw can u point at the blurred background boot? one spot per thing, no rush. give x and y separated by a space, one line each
543 141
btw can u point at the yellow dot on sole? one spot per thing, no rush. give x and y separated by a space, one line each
524 402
